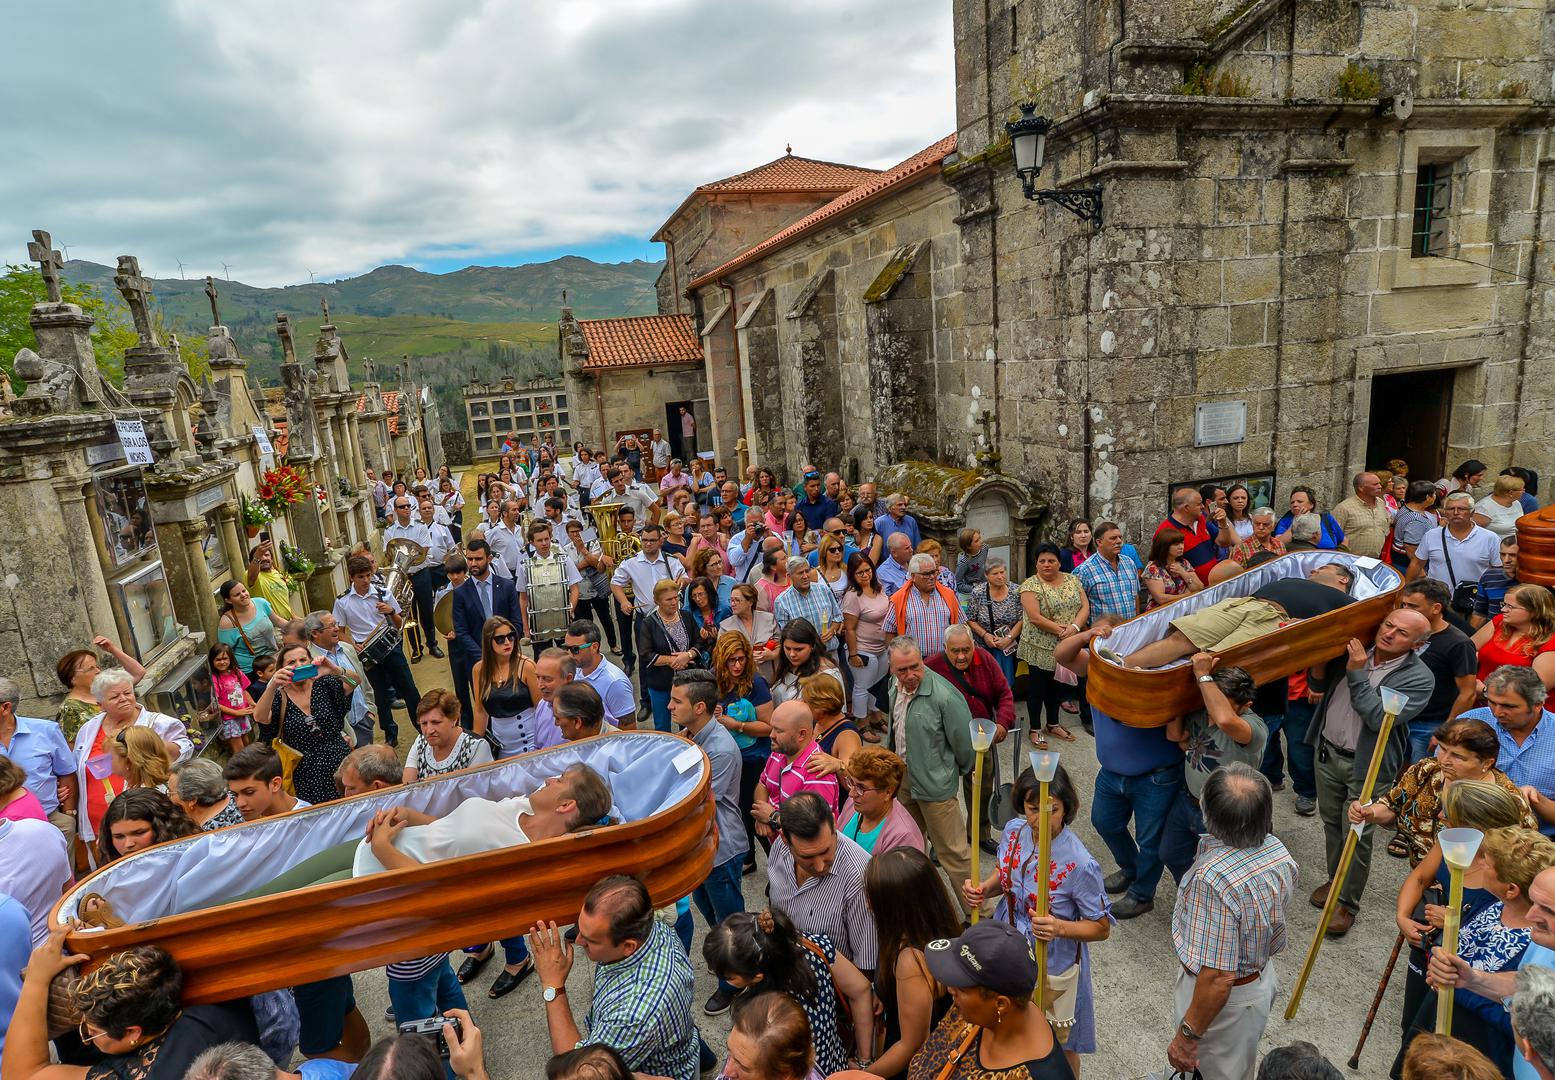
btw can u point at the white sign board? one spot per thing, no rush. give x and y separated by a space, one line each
132 436
262 438
1219 423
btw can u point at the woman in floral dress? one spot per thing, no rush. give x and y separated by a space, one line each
1078 910
1054 607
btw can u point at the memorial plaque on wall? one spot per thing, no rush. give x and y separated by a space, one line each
1219 423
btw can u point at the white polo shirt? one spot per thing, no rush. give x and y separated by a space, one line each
615 690
642 576
1471 556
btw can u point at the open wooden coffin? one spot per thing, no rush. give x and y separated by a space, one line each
176 895
1150 698
1536 547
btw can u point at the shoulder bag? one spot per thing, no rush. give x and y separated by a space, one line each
846 1030
1463 592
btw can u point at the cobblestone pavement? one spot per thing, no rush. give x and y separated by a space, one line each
1133 970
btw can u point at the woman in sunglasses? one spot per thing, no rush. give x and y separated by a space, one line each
506 689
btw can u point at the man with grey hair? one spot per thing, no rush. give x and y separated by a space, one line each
896 519
1227 926
892 572
803 599
930 728
369 768
1364 516
199 787
1297 1061
39 748
923 608
1533 1022
980 681
1458 553
1526 732
325 639
1306 531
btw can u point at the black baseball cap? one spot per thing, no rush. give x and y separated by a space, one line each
992 955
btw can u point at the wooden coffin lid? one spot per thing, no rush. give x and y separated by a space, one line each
1536 547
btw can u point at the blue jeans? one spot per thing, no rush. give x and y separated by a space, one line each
684 924
1420 739
514 950
1180 837
431 995
1146 799
720 896
659 701
1303 770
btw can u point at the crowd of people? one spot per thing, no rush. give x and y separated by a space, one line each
830 657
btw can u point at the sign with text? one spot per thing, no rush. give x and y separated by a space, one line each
262 439
132 436
1219 423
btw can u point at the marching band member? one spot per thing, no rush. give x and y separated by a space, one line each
361 611
545 554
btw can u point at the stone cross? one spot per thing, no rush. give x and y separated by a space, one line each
136 291
324 303
210 291
986 420
988 458
41 251
283 330
370 369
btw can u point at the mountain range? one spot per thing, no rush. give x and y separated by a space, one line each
477 294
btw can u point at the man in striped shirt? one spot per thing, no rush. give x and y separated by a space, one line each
816 878
803 599
1228 925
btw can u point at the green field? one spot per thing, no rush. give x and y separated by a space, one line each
388 338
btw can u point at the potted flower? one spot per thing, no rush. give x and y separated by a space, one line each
255 515
296 565
281 487
343 485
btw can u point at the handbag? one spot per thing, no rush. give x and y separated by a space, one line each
1463 592
289 757
846 1029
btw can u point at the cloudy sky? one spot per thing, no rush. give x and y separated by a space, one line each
283 136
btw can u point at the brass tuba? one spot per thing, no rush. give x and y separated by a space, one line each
613 543
399 555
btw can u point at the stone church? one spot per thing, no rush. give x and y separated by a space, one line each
1316 247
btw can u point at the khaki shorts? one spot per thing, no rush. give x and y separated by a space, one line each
1230 623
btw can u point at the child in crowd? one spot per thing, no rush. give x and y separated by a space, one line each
230 698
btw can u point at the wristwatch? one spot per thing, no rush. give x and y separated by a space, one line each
1206 678
1182 1029
551 993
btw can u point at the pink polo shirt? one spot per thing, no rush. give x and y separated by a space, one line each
784 778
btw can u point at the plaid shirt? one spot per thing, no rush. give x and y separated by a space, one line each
1250 547
927 621
1110 592
818 604
642 1008
1230 912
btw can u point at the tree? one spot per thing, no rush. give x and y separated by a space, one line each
21 287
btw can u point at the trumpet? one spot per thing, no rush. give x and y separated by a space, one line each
613 543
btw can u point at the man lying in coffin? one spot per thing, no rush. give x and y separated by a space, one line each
1240 619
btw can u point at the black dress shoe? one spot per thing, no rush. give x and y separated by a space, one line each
415 658
435 651
506 981
473 966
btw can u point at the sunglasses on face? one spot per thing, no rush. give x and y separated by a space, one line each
502 639
575 649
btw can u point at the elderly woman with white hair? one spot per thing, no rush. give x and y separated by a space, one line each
114 690
198 786
995 616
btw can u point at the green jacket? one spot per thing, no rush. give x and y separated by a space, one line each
939 739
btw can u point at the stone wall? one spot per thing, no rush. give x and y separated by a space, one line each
456 448
1254 248
810 344
631 399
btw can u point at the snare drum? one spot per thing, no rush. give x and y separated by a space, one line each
379 644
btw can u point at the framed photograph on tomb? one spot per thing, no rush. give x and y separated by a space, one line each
129 534
146 604
210 547
1260 488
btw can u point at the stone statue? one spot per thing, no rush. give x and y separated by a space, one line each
283 330
324 303
302 439
210 291
41 251
136 291
370 370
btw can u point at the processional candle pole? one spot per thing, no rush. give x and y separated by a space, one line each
1044 765
1459 846
982 738
1393 703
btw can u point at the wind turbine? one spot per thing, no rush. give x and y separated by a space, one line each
310 276
225 272
180 263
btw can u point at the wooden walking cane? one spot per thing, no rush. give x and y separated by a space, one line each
1393 703
1376 1002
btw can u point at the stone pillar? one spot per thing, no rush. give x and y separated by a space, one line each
319 591
232 535
193 533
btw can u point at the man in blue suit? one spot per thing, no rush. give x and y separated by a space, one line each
482 595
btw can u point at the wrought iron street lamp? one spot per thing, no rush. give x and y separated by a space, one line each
1028 139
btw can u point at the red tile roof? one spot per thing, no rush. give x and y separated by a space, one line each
784 174
391 402
640 341
922 165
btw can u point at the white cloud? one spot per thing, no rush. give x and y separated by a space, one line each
288 136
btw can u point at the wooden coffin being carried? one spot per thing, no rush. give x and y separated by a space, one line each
1536 547
179 895
1149 699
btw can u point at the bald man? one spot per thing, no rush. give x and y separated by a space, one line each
1344 732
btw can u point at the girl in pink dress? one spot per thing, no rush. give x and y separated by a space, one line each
229 696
